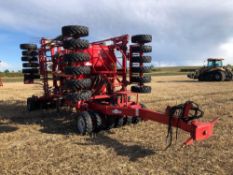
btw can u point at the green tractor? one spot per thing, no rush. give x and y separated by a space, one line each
214 71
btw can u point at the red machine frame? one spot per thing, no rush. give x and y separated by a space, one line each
101 101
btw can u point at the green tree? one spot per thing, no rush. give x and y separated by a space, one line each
6 71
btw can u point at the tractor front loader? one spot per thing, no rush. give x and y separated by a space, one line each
92 80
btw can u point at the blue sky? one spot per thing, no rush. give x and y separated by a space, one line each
184 32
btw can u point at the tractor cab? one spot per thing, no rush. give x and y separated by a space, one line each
214 62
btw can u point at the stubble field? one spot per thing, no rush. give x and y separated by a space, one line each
45 142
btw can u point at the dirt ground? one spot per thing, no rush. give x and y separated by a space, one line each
44 142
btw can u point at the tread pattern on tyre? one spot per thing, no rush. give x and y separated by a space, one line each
144 69
141 38
141 89
29 58
75 31
143 79
32 71
75 44
119 122
142 48
78 84
85 70
97 121
142 59
86 117
30 65
32 76
81 95
28 46
76 57
29 53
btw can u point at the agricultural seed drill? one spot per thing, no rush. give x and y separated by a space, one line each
92 78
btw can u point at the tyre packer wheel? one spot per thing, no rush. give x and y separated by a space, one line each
75 31
84 123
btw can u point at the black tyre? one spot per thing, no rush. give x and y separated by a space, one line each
83 70
31 76
119 122
30 65
29 58
30 71
141 89
84 123
110 122
141 39
97 121
219 76
29 53
136 120
143 79
28 80
144 69
28 46
78 84
75 31
32 104
128 120
80 95
75 44
143 48
76 57
143 59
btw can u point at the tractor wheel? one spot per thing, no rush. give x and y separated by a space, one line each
75 31
219 76
84 123
29 58
141 39
30 65
143 48
32 104
80 95
141 89
75 44
143 79
28 46
97 121
29 53
30 71
83 70
78 84
119 122
144 69
142 59
76 57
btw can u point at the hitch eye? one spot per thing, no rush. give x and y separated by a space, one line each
204 132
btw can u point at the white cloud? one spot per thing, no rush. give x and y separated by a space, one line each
184 31
4 66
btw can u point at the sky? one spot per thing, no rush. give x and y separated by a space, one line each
185 32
